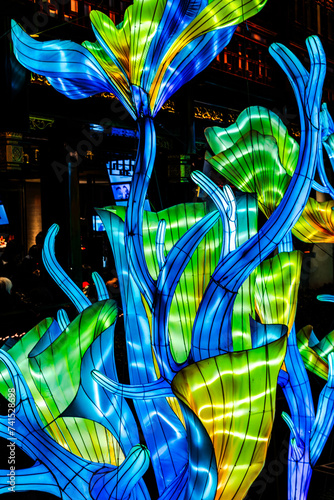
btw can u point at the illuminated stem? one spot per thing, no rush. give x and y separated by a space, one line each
101 289
160 243
158 389
298 394
134 215
163 431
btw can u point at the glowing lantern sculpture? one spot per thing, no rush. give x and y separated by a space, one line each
257 155
202 375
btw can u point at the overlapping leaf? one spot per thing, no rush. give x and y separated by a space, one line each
276 288
257 155
163 430
53 377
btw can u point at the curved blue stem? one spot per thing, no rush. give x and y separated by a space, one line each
297 392
164 433
226 205
134 215
160 243
159 389
73 292
101 289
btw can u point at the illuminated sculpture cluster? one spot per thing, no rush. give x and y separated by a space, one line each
203 373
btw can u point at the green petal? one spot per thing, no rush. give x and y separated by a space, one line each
263 121
252 165
53 377
276 288
316 224
311 359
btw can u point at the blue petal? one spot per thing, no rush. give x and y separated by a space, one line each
195 57
48 338
70 68
264 334
176 17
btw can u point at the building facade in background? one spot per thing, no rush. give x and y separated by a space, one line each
55 157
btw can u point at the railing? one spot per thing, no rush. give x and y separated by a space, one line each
242 65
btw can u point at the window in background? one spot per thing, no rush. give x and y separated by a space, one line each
74 5
53 10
